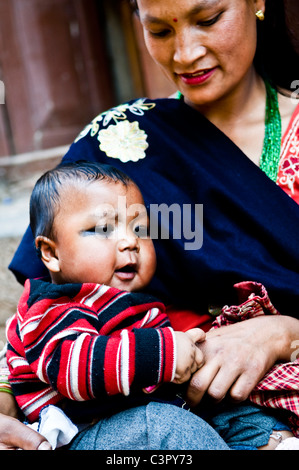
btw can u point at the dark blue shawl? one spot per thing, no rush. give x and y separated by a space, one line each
250 226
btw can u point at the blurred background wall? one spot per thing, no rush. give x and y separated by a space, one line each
62 62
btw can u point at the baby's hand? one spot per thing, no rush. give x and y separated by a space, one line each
189 357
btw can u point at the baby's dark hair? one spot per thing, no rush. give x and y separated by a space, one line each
45 196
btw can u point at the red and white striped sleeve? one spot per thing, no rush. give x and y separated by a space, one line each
66 347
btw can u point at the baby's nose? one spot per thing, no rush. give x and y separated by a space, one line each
129 242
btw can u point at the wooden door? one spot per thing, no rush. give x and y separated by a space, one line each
54 65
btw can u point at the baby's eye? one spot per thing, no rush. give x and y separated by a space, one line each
89 231
104 230
141 231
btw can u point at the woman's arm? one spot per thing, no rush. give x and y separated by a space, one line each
238 356
8 405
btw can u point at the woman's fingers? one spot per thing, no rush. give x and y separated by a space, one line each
235 359
16 435
200 382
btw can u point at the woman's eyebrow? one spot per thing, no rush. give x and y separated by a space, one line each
152 19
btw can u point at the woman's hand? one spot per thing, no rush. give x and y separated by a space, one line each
16 435
13 433
238 356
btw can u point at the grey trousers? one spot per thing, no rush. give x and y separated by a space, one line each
156 426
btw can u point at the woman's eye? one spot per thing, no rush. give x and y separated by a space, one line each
160 34
211 21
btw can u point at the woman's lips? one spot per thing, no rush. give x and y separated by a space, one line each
197 78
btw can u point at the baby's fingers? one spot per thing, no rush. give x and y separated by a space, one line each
198 360
196 363
196 334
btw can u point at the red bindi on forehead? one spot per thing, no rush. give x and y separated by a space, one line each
175 20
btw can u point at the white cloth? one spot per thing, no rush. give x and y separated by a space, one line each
292 443
55 426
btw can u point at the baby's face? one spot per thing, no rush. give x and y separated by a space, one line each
101 236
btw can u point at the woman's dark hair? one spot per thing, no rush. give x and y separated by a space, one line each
133 4
277 55
45 196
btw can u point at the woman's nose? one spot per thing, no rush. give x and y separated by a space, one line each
188 49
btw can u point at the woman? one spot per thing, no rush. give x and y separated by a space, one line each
207 146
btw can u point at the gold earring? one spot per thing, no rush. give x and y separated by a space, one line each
260 15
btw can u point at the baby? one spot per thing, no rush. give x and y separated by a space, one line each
88 334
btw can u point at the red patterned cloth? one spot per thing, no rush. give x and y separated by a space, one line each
279 388
288 172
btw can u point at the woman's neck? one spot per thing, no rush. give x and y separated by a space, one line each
246 101
241 115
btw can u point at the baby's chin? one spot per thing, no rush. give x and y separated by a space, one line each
133 285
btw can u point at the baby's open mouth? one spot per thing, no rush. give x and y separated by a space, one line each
129 268
127 272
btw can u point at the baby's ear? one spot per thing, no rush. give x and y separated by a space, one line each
47 252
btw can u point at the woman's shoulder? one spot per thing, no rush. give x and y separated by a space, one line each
119 115
123 132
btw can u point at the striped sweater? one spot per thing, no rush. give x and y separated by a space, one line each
86 343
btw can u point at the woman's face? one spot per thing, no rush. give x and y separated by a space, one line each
206 47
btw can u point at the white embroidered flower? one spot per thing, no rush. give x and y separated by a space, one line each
124 141
116 114
92 127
